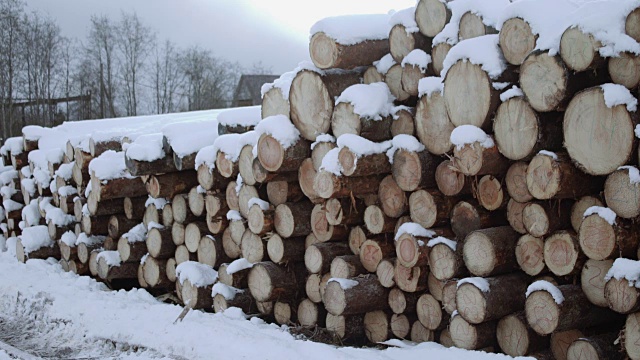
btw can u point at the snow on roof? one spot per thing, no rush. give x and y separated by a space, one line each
361 146
634 173
542 285
384 64
481 283
243 116
483 51
442 240
370 101
489 10
605 213
280 128
345 284
407 18
354 29
615 94
469 134
228 292
199 275
546 18
511 93
429 85
35 237
419 58
625 269
413 229
404 142
110 165
238 265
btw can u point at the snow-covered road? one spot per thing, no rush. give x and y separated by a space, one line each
52 314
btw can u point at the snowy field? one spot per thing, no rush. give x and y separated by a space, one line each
49 313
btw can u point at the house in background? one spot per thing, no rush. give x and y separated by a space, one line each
248 90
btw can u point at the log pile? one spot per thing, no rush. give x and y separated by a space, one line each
380 202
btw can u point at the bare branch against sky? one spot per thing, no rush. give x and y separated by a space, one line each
274 32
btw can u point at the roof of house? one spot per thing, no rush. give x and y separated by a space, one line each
249 88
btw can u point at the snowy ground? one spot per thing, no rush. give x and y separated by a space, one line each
52 314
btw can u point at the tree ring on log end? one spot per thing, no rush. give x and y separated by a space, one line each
431 16
471 303
561 253
543 177
260 283
543 80
479 254
324 51
468 98
625 70
513 336
463 334
401 42
450 182
270 153
443 262
334 298
422 208
597 237
622 196
516 40
578 49
542 312
530 254
632 330
429 311
407 250
516 128
407 169
311 105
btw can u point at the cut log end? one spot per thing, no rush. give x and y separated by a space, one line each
542 312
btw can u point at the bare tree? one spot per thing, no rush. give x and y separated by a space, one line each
11 12
167 78
101 48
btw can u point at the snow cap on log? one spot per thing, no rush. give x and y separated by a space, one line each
354 29
543 285
111 258
361 146
482 50
159 203
345 284
243 116
550 154
430 85
625 269
384 64
481 283
35 237
66 190
284 81
30 213
280 128
407 18
511 93
234 215
199 275
6 177
419 58
469 134
615 94
10 205
442 240
330 162
238 265
546 18
230 144
372 101
228 292
188 137
413 229
323 138
110 165
607 214
58 217
12 145
488 10
404 142
65 171
89 240
69 238
145 148
137 233
634 173
263 205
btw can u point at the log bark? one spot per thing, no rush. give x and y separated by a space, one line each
472 337
433 126
282 251
327 53
117 188
490 251
318 257
242 300
119 225
238 279
123 271
468 216
197 297
269 282
184 162
291 219
516 338
347 328
506 295
159 166
600 240
134 207
402 41
365 165
516 40
346 121
168 185
593 282
580 50
365 296
413 170
155 274
95 225
312 99
160 244
105 207
549 178
328 185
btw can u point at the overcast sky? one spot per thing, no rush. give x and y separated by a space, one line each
275 32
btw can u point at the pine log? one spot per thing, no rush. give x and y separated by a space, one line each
245 194
268 281
548 84
182 254
514 216
79 268
540 219
506 294
233 200
260 222
580 50
328 185
347 266
622 297
444 338
160 244
242 300
471 26
432 16
284 312
433 126
451 182
181 212
168 185
490 251
403 122
371 75
184 162
319 150
344 211
549 178
346 121
230 246
282 251
530 254
393 200
600 240
84 251
105 207
393 79
430 208
312 99
197 297
593 282
377 222
254 248
177 233
279 192
67 252
411 279
122 271
520 132
98 147
357 236
292 219
472 337
622 194
516 40
579 207
155 273
210 252
631 343
215 204
225 166
516 338
429 312
446 263
625 70
327 53
365 295
411 76
365 165
238 279
386 272
475 159
95 225
588 126
545 316
562 253
310 314
312 287
402 41
131 251
516 181
167 215
119 224
490 193
420 334
193 232
152 215
377 326
275 157
318 257
321 228
413 170
468 216
346 327
44 252
236 230
372 251
159 166
245 164
306 178
134 207
117 188
601 346
209 179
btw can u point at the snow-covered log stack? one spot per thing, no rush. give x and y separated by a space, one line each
459 171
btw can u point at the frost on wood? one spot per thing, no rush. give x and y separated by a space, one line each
481 283
361 146
488 10
228 292
625 269
353 29
238 265
110 165
442 240
419 58
199 275
112 258
511 93
384 64
430 85
369 101
413 229
615 94
345 284
280 128
605 213
35 237
404 142
543 285
483 51
469 134
634 173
